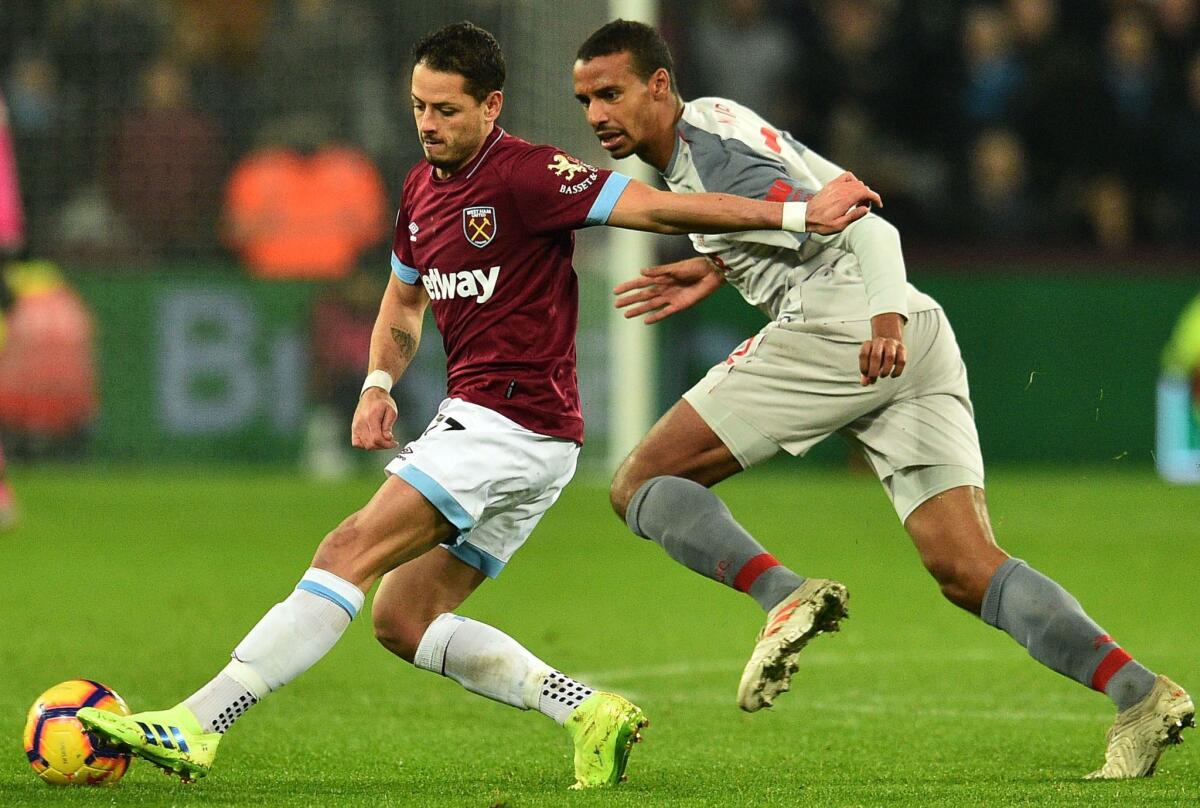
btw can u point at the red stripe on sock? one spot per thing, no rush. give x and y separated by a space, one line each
753 568
1113 661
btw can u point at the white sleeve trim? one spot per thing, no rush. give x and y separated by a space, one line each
876 245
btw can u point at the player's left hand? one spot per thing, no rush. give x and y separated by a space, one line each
884 353
666 289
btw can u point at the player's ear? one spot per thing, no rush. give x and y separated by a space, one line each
492 105
660 84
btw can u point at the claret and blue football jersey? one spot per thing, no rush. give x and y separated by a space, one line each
492 244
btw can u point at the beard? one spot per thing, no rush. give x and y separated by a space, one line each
448 160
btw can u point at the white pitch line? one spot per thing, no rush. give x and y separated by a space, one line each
874 704
670 669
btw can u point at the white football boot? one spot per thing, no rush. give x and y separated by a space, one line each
1141 733
817 606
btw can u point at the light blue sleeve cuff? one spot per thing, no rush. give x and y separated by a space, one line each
404 272
606 200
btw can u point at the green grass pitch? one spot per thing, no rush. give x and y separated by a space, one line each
147 580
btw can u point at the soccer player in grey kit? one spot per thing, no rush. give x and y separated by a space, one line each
484 236
851 348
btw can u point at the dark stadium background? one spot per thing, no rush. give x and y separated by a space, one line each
1041 159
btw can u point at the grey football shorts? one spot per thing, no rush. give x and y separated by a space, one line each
792 385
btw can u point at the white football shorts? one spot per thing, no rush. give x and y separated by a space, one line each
489 476
791 386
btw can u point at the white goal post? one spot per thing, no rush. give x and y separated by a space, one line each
633 385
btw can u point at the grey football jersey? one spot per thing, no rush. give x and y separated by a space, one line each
724 147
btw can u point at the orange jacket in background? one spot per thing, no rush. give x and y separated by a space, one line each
290 215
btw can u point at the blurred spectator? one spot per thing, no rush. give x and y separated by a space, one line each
99 49
12 220
322 57
307 210
860 61
1062 104
1178 38
1131 80
8 505
89 232
47 329
994 73
1182 157
43 126
741 53
219 43
913 183
12 236
165 165
343 319
1108 210
1001 204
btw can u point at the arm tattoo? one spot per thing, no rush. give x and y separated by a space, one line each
405 341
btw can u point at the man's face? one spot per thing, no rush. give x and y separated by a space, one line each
620 107
450 122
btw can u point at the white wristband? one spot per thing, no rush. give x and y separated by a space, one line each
795 217
377 378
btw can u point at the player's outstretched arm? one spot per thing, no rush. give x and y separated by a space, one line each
394 342
640 207
664 290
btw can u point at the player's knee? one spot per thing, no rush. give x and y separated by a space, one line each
400 634
625 483
963 582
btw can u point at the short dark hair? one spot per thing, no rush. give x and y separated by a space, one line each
647 48
468 50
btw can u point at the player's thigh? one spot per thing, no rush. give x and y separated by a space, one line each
412 595
680 444
396 525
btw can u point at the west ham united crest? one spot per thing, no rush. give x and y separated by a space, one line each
479 225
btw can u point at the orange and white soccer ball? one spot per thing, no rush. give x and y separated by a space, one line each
59 749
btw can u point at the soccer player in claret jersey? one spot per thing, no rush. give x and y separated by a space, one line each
484 232
852 348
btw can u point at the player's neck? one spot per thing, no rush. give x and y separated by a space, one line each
661 147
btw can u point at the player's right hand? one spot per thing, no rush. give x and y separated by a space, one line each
845 200
373 420
663 290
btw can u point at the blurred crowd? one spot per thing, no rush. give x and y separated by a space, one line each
170 131
150 133
1035 122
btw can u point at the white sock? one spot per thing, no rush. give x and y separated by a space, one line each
487 661
220 702
286 642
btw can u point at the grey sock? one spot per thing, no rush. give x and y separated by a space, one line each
696 529
1052 626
